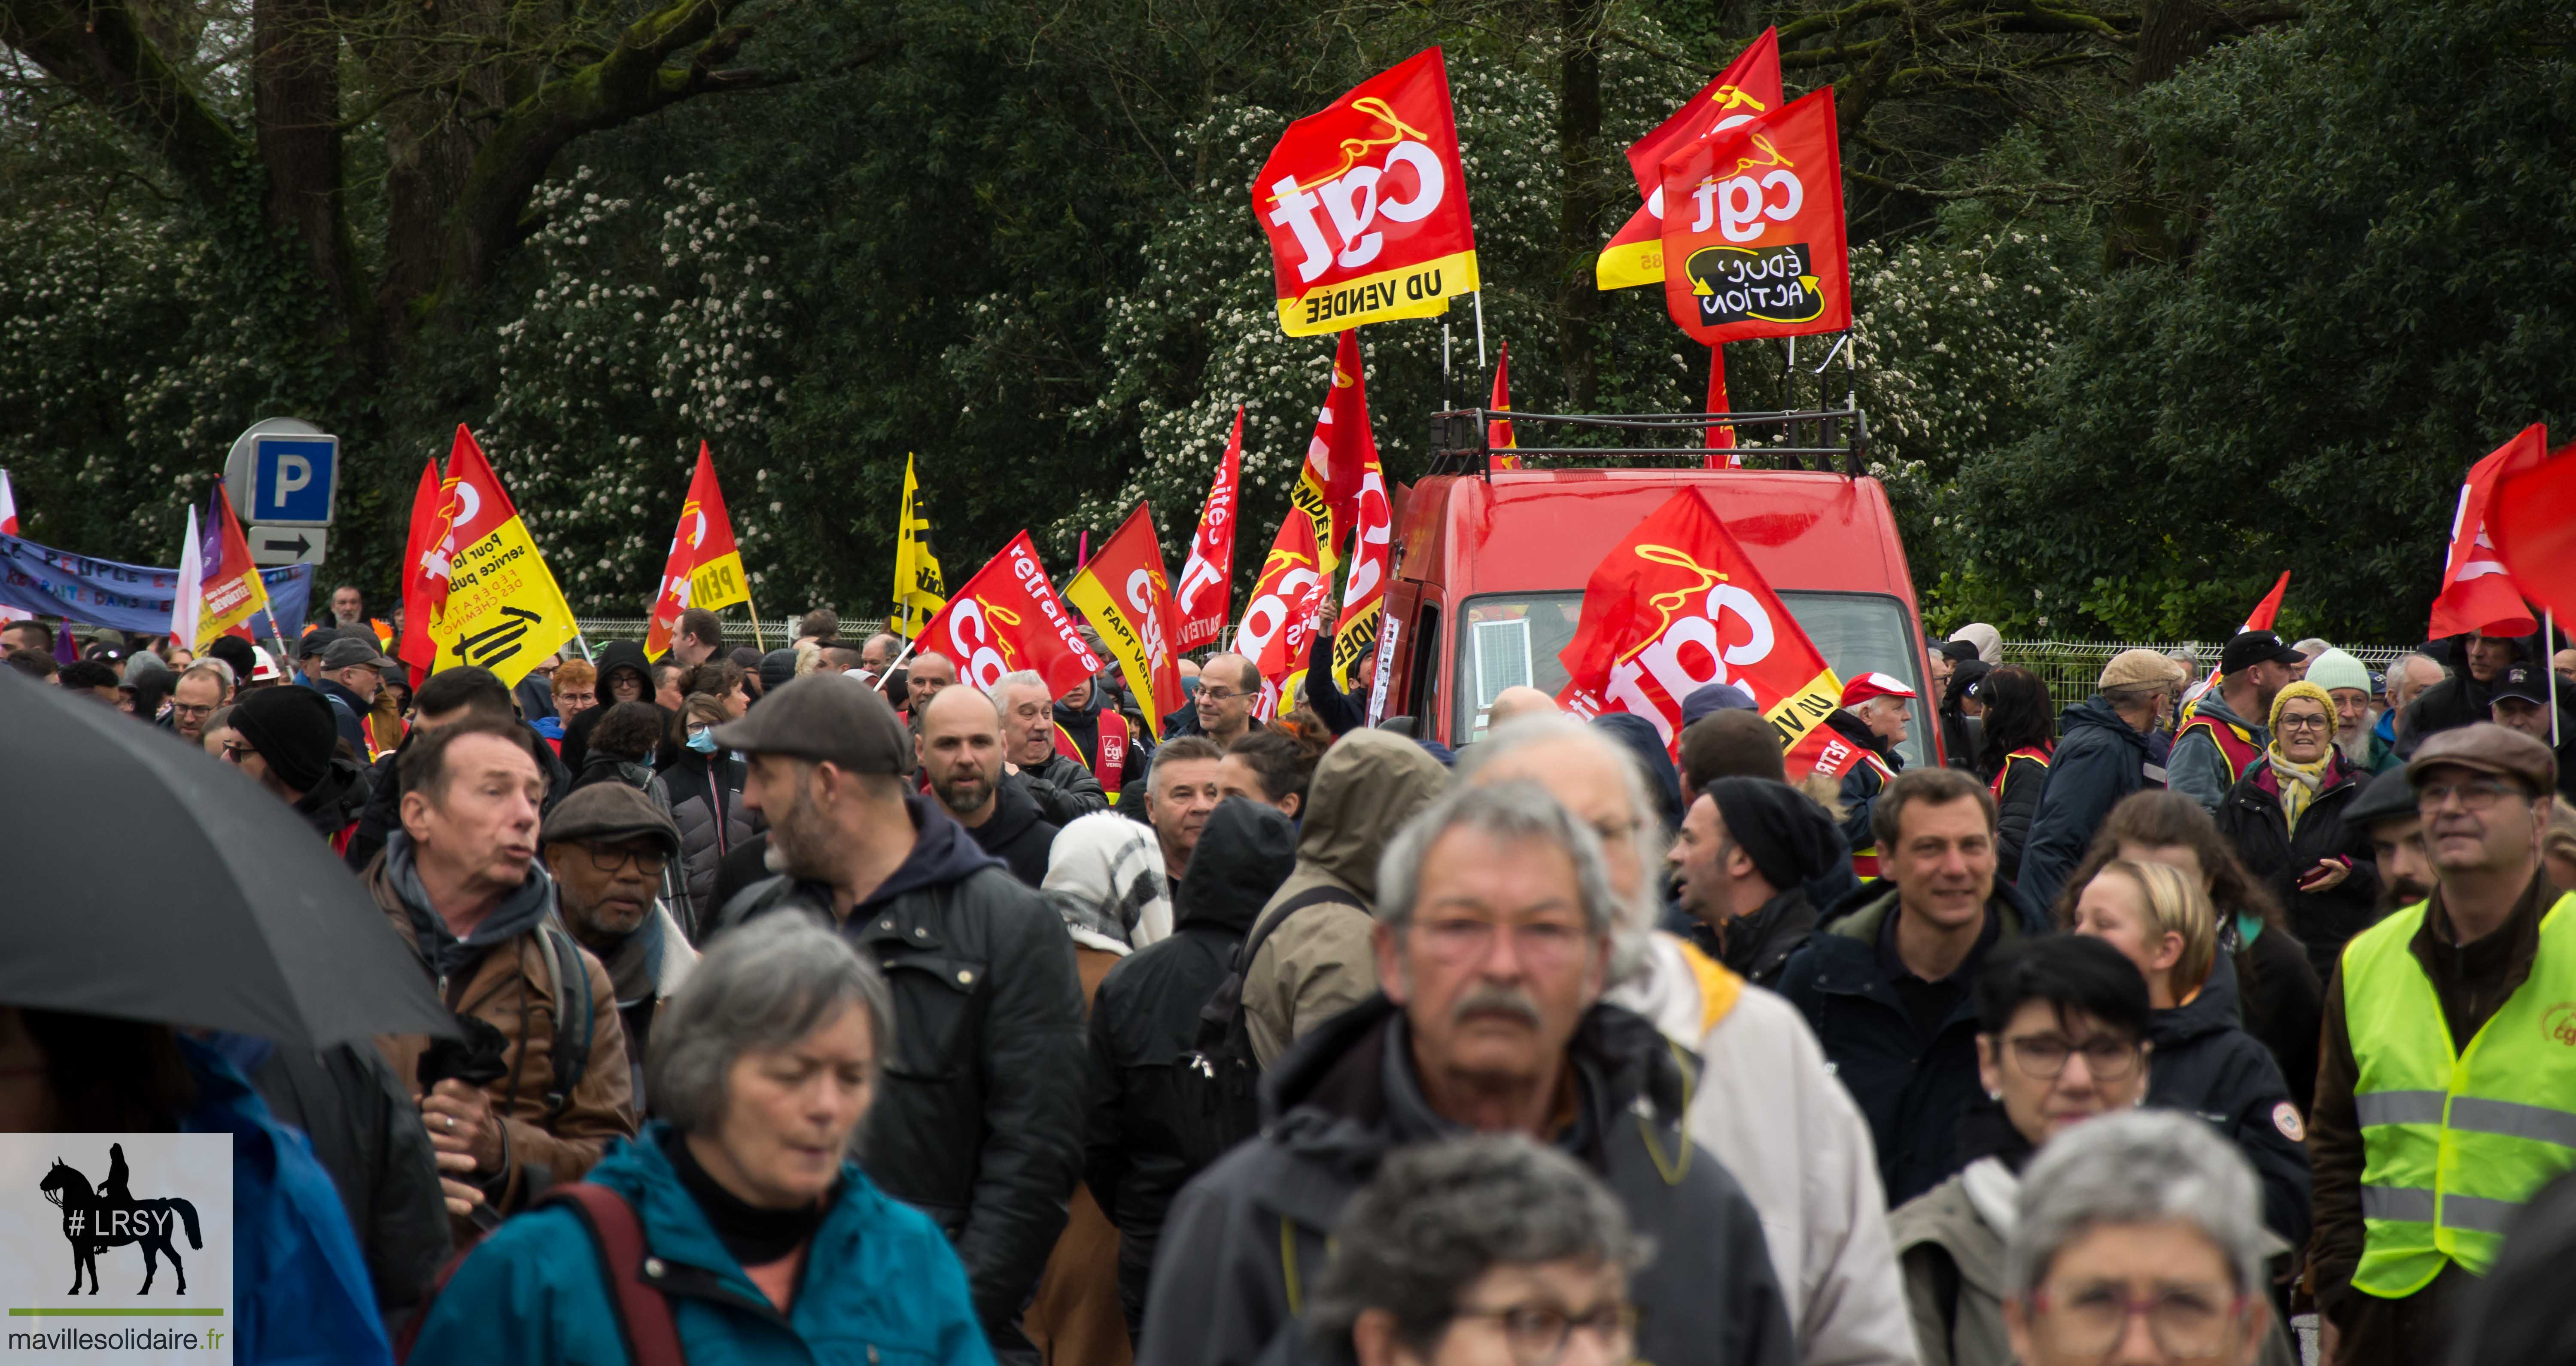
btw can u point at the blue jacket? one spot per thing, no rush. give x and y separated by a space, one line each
300 1288
2100 759
879 1285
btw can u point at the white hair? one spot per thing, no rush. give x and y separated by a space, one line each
1000 692
1638 914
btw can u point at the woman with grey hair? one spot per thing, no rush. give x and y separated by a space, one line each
1487 1251
2139 1239
761 1240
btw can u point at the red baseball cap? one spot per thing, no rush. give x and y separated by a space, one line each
1871 685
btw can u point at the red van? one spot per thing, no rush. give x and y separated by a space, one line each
1490 584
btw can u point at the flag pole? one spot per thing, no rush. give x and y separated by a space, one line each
897 664
1444 362
1479 297
2548 653
757 638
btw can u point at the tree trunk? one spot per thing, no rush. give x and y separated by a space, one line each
2170 33
295 99
1582 210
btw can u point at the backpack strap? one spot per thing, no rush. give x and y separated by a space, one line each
1225 1004
573 1023
644 1318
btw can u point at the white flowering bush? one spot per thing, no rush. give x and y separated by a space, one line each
655 324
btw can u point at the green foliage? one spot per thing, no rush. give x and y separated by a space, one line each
2379 294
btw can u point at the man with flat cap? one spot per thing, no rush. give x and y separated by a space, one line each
348 673
2446 1090
2105 751
979 1119
606 845
1747 851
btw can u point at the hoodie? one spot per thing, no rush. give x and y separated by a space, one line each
615 655
1365 787
1146 1018
2100 759
1637 735
337 801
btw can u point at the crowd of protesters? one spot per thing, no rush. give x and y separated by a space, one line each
820 1005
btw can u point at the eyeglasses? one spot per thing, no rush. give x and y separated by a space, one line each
1538 1334
2477 794
609 858
1219 694
2304 723
2187 1323
187 712
234 750
2042 1057
1464 939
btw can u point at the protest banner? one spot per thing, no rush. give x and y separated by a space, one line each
1755 241
1365 205
1124 594
919 592
1008 618
494 603
703 568
1675 607
39 580
1203 598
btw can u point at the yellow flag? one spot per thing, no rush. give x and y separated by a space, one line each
919 592
502 608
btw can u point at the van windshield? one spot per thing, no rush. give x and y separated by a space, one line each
1513 638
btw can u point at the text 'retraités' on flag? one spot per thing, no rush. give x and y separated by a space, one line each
1754 242
1008 618
704 568
493 603
1675 607
1748 89
1204 597
1365 205
1125 595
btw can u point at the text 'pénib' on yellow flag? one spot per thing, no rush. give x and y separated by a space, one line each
919 591
1125 595
504 611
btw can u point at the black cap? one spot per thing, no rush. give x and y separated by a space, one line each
827 717
2390 795
776 668
2525 682
351 650
2250 648
314 642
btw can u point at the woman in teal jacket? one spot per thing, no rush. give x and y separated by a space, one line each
771 1245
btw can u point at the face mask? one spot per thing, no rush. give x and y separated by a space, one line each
703 741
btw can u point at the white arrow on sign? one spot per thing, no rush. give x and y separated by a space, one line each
280 545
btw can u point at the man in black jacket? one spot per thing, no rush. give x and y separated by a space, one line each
978 1120
1061 785
1147 1017
1493 939
1745 855
960 742
2102 756
2467 697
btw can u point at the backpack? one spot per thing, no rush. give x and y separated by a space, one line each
1219 1077
645 1323
573 1022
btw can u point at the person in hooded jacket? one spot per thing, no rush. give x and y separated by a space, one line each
1638 736
625 675
285 739
1318 963
1146 1018
2102 755
2205 1063
703 791
1472 1036
1962 715
2286 819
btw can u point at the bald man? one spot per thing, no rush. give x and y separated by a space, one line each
1517 701
960 748
930 672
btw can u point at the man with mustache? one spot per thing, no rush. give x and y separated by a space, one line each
1495 917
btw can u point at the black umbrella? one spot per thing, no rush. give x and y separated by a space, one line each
147 879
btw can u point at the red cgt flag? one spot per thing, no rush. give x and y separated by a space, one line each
1755 236
1125 595
419 650
1008 618
2532 520
1365 205
1206 590
703 555
1498 433
1748 89
1278 628
1675 607
2478 590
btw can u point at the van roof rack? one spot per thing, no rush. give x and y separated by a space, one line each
1459 436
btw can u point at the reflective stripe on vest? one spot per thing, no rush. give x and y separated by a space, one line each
2454 1140
1113 744
2033 753
2236 747
1865 858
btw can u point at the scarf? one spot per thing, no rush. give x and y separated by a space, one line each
2299 782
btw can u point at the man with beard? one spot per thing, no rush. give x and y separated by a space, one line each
960 741
606 846
2386 809
978 1120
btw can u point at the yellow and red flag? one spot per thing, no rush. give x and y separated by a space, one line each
1755 235
1206 590
1365 205
1675 607
494 604
1125 595
704 568
230 591
1498 433
1279 621
1008 618
422 591
1748 89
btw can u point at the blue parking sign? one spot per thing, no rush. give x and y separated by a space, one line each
293 479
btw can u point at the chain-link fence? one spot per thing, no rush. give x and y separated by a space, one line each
2072 668
777 632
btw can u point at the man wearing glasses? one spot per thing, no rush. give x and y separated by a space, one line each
606 845
1493 935
205 686
2446 1093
